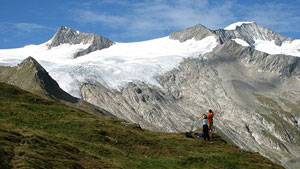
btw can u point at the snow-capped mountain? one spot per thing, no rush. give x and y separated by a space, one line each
91 41
262 39
246 34
112 67
249 75
115 64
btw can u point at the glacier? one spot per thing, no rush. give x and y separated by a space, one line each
113 67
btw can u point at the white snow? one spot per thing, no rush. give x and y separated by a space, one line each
241 42
287 47
234 25
113 67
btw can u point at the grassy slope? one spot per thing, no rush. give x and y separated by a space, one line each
35 133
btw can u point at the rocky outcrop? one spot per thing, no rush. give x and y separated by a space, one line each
197 32
66 35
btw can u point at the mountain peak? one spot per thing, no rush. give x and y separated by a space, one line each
31 76
66 30
250 32
29 64
70 36
237 24
65 35
198 32
63 27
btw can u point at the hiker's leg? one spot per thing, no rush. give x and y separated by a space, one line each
205 131
210 128
205 135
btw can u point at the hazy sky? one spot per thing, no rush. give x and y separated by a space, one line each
25 22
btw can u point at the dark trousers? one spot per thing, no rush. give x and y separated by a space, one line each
205 132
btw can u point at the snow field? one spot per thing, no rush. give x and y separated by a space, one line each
113 67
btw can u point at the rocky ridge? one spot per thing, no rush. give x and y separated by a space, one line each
67 35
249 32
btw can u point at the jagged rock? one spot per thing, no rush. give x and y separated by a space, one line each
70 36
250 32
198 32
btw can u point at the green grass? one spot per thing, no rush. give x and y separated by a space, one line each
38 133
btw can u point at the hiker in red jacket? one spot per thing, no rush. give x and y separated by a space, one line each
210 116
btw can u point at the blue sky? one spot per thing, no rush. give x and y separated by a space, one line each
25 22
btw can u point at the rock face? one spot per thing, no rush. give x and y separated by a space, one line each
250 32
31 76
255 95
198 32
70 36
146 105
283 65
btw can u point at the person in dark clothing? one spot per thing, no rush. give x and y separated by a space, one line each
205 128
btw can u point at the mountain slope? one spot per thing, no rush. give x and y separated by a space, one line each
38 133
31 76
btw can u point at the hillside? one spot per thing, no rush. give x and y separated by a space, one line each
29 75
39 133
